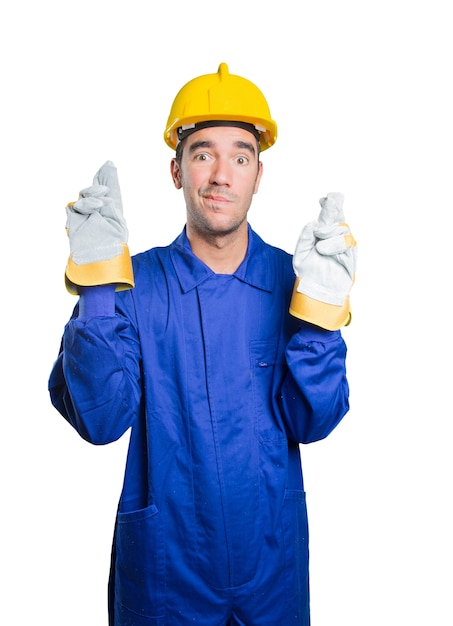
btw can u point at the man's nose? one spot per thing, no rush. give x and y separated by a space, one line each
221 172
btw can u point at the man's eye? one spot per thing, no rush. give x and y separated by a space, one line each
201 157
242 160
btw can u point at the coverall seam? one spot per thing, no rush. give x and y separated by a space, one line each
220 471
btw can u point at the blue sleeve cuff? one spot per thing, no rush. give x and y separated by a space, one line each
98 301
316 333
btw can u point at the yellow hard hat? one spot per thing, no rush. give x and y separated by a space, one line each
221 97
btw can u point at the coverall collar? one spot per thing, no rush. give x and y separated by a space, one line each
191 271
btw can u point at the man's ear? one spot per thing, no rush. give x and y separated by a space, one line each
176 173
258 176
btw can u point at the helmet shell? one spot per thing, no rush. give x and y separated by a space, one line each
224 97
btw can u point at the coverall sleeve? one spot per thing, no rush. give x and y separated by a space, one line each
95 382
315 393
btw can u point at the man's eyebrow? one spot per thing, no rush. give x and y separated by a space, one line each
243 145
200 144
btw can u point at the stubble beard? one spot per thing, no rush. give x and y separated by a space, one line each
205 227
210 232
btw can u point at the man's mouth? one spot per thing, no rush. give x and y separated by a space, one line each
217 198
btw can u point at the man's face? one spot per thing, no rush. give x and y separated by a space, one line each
219 173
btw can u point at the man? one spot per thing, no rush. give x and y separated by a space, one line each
193 347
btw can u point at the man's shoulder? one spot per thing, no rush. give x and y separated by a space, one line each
259 244
153 253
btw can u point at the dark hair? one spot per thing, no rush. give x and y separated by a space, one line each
178 155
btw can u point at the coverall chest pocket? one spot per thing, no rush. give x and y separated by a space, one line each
266 373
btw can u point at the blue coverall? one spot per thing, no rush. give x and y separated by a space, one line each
218 384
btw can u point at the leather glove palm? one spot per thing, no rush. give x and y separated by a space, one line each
325 265
98 235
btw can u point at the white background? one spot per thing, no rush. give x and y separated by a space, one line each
362 95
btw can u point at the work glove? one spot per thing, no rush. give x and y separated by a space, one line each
325 265
99 254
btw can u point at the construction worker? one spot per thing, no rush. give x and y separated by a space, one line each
220 353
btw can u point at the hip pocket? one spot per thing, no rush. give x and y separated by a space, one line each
140 562
295 533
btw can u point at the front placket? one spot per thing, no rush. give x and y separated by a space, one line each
226 337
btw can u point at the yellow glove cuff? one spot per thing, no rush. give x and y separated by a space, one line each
117 271
328 316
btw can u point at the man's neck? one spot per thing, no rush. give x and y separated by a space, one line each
223 254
